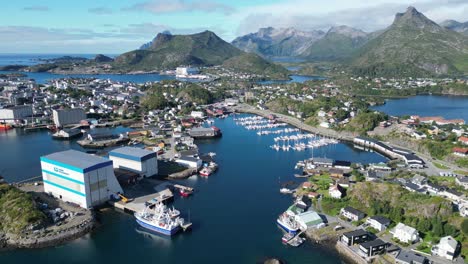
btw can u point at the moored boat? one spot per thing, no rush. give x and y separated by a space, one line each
206 171
160 219
5 126
286 222
185 192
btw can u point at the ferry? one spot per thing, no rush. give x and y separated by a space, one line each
286 222
160 219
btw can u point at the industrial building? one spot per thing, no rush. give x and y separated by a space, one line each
205 132
79 178
186 71
12 114
141 161
64 117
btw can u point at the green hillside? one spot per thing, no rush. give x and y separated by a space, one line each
413 46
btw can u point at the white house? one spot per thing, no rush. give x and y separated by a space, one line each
446 248
405 233
378 222
352 214
197 114
335 192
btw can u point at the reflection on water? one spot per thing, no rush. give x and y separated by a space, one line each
156 239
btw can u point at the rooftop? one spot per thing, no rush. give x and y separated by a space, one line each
76 160
131 153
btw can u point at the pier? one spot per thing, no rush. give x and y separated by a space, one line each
343 136
139 203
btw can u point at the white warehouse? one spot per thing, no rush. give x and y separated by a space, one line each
68 116
13 113
139 160
80 178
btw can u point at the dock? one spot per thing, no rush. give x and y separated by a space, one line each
136 204
184 188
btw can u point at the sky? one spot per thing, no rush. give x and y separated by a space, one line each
117 26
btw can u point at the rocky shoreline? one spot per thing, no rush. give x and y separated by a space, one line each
42 240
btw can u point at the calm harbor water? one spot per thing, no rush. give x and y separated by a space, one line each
233 211
44 77
449 107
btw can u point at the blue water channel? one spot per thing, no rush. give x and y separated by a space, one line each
449 107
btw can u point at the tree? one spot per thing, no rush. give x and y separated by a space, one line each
464 226
438 228
424 225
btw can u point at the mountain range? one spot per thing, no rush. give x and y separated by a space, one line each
282 42
413 45
456 26
167 51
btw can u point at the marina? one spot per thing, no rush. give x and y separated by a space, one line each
206 207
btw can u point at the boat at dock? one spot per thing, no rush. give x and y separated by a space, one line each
66 134
160 219
206 171
286 190
287 237
287 222
185 192
296 241
4 127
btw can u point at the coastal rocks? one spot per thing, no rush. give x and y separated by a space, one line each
41 240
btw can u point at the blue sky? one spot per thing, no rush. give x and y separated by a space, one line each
111 27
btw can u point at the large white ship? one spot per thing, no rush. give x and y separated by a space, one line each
160 219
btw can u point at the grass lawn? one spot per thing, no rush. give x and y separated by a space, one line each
461 172
440 166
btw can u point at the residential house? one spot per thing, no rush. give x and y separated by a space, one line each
462 181
452 195
372 248
355 237
352 214
463 209
461 152
378 222
433 189
336 173
419 180
336 191
413 187
447 248
376 175
406 234
463 140
409 257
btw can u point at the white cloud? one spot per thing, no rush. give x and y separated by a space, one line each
174 6
321 14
